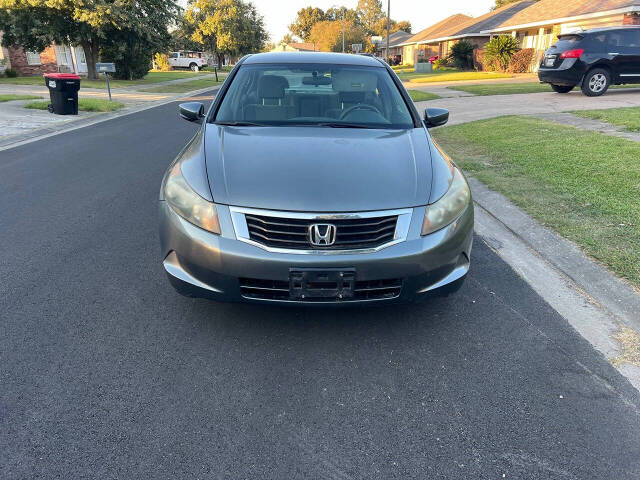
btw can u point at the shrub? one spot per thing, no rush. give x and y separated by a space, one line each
441 64
498 52
462 55
162 62
11 73
521 61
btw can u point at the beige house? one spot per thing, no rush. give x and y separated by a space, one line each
438 39
539 25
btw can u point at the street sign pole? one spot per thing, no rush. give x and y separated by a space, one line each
388 27
106 75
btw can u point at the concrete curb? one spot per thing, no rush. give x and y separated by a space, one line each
29 137
611 293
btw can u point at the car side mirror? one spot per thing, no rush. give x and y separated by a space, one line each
192 111
435 117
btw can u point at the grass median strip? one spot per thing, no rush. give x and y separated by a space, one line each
11 98
84 104
627 117
583 184
514 88
455 76
184 86
149 79
420 96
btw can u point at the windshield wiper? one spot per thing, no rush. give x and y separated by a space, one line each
240 124
343 125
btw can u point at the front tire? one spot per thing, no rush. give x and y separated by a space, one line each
596 82
194 67
562 88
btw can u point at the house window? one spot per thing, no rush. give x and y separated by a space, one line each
33 58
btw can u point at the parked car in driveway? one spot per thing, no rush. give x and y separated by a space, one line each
593 60
313 179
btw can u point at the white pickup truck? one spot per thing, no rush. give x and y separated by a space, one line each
193 60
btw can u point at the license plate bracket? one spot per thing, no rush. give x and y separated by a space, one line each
550 61
321 283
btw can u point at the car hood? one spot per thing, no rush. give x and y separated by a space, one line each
318 169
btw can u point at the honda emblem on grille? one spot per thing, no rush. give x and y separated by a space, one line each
322 234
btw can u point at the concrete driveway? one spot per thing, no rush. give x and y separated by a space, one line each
470 108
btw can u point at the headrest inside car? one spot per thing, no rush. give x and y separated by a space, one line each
272 86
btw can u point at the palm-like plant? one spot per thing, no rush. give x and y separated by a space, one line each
462 55
498 52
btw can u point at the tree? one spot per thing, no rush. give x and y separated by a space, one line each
404 26
92 24
181 36
462 55
349 14
305 20
226 27
327 35
142 31
498 52
288 38
370 13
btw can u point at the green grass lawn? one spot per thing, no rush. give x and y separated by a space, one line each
84 104
150 78
10 97
583 184
185 86
627 117
504 88
420 96
514 88
449 76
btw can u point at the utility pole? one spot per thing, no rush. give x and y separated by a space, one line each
388 28
343 31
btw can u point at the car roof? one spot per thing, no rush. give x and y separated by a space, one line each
601 29
312 57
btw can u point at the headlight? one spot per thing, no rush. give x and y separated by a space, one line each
187 203
449 207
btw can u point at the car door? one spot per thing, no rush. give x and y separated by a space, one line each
173 59
622 49
629 58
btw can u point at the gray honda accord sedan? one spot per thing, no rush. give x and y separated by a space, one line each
314 180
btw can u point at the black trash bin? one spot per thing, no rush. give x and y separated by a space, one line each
63 90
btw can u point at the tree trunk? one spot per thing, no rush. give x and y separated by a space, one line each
90 48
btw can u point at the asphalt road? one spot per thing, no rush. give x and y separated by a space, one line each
106 373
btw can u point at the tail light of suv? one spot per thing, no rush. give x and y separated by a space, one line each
575 53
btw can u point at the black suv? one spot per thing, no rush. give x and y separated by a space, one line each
594 59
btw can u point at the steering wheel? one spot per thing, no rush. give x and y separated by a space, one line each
360 106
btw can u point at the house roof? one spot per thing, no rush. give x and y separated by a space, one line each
446 27
493 19
545 10
395 39
307 47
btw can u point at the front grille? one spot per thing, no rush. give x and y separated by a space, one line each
293 233
255 288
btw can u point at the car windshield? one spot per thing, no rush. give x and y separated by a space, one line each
340 96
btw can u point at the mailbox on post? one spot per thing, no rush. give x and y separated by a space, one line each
106 68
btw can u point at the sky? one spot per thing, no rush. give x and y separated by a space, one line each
278 14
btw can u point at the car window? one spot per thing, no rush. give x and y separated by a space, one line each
567 42
630 38
314 94
174 55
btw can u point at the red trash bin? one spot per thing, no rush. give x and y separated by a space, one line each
63 91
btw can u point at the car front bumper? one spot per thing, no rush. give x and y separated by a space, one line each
202 264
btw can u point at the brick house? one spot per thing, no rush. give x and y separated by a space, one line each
395 49
54 58
421 46
539 25
438 39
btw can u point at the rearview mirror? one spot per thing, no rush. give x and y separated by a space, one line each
192 111
434 117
